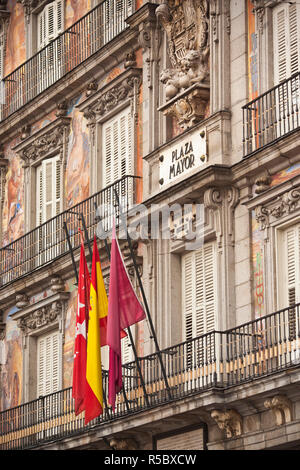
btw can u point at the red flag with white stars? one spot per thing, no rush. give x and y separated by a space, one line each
79 366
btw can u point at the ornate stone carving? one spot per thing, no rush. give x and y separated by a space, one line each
188 107
123 444
46 312
28 6
57 284
281 407
22 301
62 109
187 28
281 206
262 183
3 172
41 317
113 97
91 88
223 202
230 421
51 138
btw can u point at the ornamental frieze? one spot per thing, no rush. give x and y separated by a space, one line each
48 312
51 138
41 317
280 207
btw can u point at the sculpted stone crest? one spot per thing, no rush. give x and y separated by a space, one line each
187 26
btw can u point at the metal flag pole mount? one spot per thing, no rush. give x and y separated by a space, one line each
130 337
121 216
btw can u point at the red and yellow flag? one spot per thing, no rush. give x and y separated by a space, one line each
98 310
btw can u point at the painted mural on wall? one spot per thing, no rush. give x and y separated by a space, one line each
74 10
12 364
16 44
13 211
78 165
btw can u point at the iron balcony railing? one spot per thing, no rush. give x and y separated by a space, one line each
272 115
215 360
49 241
70 49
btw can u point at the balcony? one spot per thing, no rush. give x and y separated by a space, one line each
271 116
217 360
49 242
70 49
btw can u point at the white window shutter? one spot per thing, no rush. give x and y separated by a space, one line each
49 187
117 144
126 348
291 257
199 291
48 367
286 41
60 16
42 36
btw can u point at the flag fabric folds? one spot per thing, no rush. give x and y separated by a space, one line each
98 309
124 310
79 367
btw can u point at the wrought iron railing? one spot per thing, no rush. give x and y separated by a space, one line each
216 360
272 115
48 241
70 49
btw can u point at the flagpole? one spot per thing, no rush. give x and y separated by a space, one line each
130 337
143 295
71 251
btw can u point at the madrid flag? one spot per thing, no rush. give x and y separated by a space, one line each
79 367
124 309
98 304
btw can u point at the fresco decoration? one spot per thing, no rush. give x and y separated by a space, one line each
15 45
285 175
77 178
74 10
13 210
11 368
258 267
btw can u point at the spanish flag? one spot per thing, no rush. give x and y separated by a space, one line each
98 310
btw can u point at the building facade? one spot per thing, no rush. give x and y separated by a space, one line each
171 103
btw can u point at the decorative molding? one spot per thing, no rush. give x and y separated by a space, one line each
22 301
62 109
230 421
57 284
123 87
281 407
222 201
188 107
51 139
262 183
283 205
3 173
123 444
45 313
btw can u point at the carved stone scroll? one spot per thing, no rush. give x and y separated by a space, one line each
230 421
281 407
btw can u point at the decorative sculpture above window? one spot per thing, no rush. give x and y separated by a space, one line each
187 28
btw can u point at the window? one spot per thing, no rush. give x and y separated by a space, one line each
286 48
199 305
48 364
286 40
50 23
114 14
117 161
117 147
48 189
199 291
48 199
288 269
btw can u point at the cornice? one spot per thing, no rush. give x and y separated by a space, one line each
111 95
41 314
43 142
